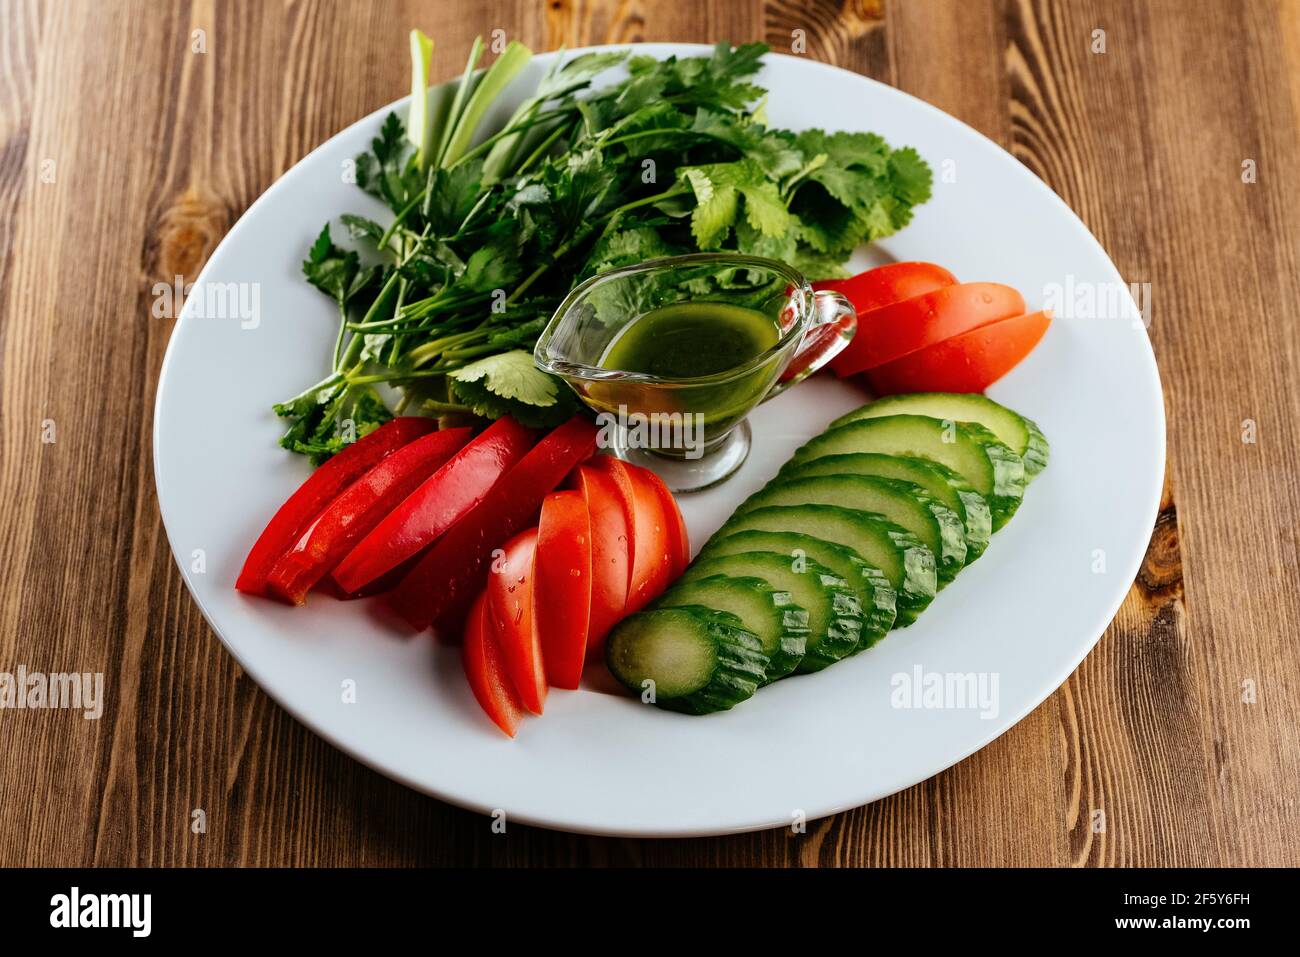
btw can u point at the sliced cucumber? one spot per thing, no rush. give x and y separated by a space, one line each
902 503
780 625
969 449
1021 434
875 594
834 615
907 563
698 660
939 480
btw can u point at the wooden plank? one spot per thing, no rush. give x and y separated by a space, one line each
125 155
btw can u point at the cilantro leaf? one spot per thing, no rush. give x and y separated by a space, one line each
509 383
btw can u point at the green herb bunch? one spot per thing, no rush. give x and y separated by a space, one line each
489 232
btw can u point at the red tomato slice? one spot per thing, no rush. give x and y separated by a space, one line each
966 363
321 488
562 584
621 473
486 672
653 558
360 507
905 327
443 583
880 287
510 613
437 504
610 559
679 542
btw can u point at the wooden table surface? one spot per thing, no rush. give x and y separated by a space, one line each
124 158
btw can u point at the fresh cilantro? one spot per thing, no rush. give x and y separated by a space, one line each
492 227
511 384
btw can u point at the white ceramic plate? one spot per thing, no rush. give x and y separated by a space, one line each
1024 615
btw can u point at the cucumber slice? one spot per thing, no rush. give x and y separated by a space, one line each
875 594
939 480
969 449
1021 434
780 625
698 660
907 563
834 615
902 503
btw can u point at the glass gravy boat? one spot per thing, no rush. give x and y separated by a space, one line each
690 430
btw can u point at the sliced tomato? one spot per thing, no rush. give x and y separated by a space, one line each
321 488
621 473
510 611
562 582
610 559
443 583
485 669
653 558
437 504
965 363
360 507
905 327
679 542
883 286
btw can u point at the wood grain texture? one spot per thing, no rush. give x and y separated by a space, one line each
124 158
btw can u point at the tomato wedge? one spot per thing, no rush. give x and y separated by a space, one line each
966 363
653 558
360 507
443 583
621 473
321 488
905 327
438 503
880 287
562 582
510 612
679 542
610 559
485 669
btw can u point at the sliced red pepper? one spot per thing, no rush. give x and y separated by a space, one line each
895 331
966 363
485 669
510 610
610 557
360 507
442 585
562 582
881 287
679 542
437 504
321 488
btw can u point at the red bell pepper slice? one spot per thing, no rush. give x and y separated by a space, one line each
610 557
966 363
437 504
892 332
442 585
510 612
321 488
360 507
485 669
562 581
880 287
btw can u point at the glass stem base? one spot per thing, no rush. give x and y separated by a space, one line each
718 461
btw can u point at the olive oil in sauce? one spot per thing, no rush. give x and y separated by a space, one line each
691 339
